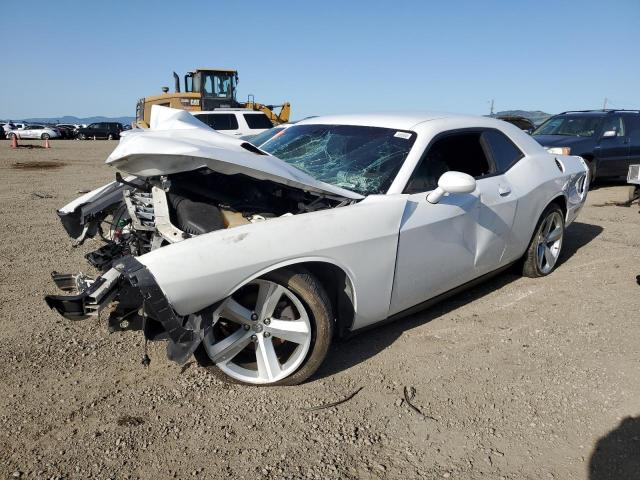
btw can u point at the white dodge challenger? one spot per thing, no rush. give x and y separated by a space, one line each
252 260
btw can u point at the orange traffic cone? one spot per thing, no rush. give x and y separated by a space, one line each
46 143
14 141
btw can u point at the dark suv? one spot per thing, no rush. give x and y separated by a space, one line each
609 140
108 130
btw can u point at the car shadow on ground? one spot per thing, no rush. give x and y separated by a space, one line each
616 456
349 352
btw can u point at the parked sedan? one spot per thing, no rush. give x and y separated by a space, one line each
35 131
253 261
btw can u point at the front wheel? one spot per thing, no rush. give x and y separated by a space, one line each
545 247
276 330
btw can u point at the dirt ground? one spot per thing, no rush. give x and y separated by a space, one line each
515 379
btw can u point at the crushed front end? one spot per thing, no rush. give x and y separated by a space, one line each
136 216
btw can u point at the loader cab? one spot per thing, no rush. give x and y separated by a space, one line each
216 87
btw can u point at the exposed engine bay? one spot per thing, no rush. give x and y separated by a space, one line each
134 216
169 209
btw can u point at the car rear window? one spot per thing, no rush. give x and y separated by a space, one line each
219 121
257 121
505 154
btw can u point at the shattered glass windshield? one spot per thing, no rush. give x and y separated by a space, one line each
364 160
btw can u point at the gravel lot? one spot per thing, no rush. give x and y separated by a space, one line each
517 379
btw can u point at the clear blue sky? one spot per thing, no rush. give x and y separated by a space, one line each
98 58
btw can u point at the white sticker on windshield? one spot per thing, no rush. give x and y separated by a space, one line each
404 135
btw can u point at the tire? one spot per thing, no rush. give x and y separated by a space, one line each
10 136
45 136
82 136
110 137
307 350
545 247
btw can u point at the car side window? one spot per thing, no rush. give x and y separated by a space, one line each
220 121
460 152
616 124
502 150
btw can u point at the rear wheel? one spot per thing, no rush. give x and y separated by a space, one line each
545 247
276 330
45 136
110 137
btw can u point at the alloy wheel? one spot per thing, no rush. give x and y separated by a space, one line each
261 334
550 237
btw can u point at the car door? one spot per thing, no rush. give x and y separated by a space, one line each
30 131
632 124
613 151
442 246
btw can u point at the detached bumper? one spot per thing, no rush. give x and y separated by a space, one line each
127 275
90 300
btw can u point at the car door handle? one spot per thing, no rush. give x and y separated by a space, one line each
504 190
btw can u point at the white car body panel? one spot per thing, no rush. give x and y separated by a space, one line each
346 237
396 249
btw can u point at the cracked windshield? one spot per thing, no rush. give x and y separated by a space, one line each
362 159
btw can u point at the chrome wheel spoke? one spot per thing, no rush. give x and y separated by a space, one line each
549 257
554 234
232 310
269 294
229 347
268 364
296 331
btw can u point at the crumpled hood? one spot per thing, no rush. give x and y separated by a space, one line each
179 142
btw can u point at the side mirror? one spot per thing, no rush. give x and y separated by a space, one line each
609 133
452 182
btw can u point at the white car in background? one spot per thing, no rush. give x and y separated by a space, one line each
252 261
235 122
35 131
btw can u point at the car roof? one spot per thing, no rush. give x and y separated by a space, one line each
397 120
228 110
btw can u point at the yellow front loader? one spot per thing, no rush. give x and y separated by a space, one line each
207 89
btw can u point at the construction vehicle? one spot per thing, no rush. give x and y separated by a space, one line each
206 89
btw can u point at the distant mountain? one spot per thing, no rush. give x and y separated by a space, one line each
536 116
80 120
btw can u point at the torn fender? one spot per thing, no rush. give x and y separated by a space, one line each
364 236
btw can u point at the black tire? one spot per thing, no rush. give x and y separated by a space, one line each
82 136
45 136
110 137
530 267
315 299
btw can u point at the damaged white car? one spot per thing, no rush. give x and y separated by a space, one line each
254 260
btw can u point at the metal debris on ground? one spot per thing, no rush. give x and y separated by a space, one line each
185 367
409 394
333 404
130 421
42 195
